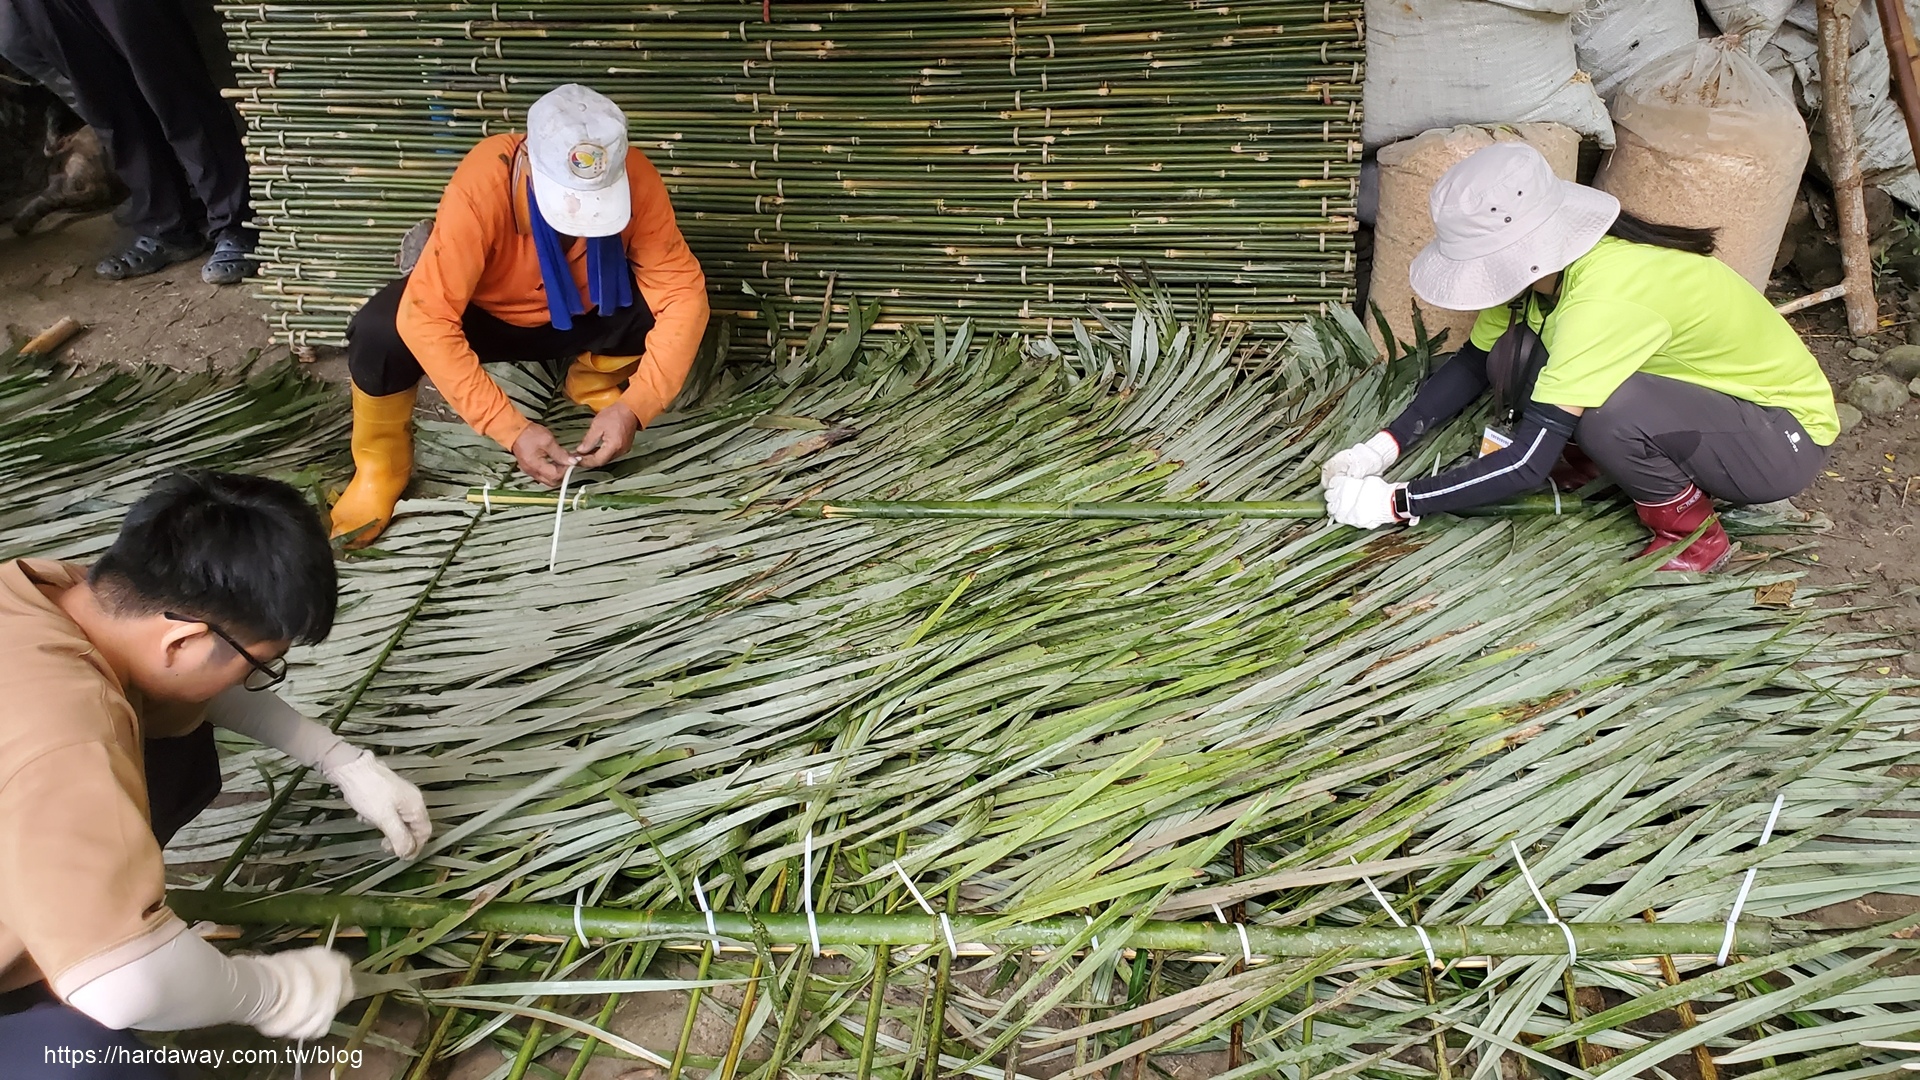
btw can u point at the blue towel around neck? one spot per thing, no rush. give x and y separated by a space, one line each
609 285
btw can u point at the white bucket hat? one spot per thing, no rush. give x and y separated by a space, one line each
1501 222
577 145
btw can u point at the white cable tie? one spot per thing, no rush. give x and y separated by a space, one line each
559 509
579 931
1556 498
915 893
1096 937
486 496
1421 931
578 494
1740 899
1246 948
946 924
1427 944
1573 951
700 897
806 894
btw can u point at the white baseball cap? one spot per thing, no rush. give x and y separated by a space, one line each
1502 221
577 145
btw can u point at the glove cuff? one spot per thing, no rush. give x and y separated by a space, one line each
1386 446
340 758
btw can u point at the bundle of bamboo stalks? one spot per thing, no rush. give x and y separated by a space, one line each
1099 747
995 160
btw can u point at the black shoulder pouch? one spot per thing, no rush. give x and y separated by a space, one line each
1514 362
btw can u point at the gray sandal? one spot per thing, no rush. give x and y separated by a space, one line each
232 262
146 255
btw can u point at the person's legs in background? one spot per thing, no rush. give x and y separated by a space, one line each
164 59
1673 447
162 210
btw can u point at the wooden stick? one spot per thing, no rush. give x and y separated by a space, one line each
1863 309
1903 52
46 341
1802 303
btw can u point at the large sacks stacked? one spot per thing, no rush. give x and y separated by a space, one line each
1886 155
1408 171
1614 39
1437 63
1706 139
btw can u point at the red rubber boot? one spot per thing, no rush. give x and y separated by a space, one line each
1675 520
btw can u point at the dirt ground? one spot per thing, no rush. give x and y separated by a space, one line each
1871 488
169 318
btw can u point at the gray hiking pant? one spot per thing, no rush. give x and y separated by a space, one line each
1656 435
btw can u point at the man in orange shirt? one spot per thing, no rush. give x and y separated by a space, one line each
557 243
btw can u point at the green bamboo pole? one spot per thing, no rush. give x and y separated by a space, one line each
1597 941
983 509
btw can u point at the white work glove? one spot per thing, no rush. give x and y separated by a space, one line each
304 989
1369 458
1364 503
384 801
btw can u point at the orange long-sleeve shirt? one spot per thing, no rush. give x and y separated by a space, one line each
482 252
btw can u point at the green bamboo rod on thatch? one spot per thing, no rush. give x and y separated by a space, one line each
977 509
1597 941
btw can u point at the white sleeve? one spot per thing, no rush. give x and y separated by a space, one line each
266 719
188 983
183 984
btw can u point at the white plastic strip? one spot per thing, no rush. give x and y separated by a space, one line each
700 897
1573 951
486 496
1096 937
1556 498
1425 941
559 509
806 894
579 931
1740 899
1246 947
946 925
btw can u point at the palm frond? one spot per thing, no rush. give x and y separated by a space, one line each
1125 725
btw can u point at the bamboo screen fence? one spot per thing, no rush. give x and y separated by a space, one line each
989 159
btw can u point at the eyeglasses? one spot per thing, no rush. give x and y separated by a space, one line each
266 674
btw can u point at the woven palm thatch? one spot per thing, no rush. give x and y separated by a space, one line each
1112 724
994 159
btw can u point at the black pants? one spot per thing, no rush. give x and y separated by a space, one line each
43 1039
138 76
381 363
1656 435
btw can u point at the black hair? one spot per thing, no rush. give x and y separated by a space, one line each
1678 237
244 553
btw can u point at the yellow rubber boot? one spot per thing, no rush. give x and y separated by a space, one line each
596 381
382 464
